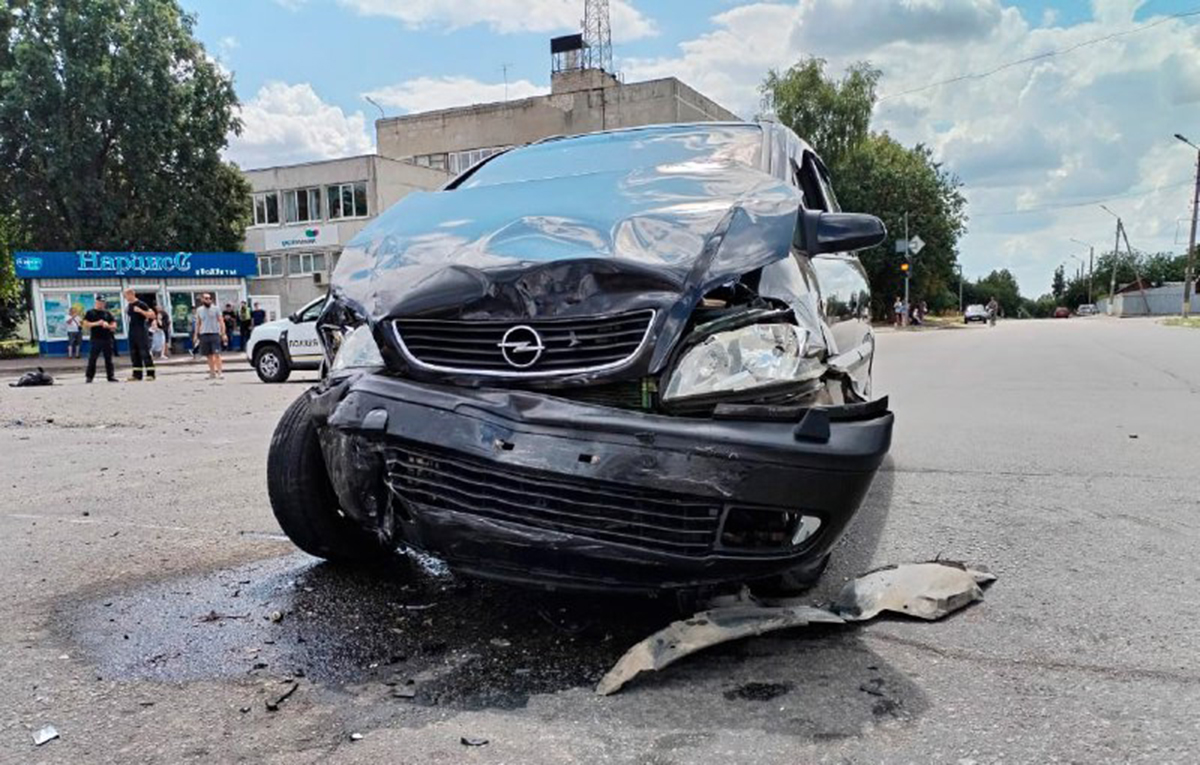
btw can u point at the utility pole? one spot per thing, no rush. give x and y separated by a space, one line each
1091 264
960 304
1112 282
907 259
1190 272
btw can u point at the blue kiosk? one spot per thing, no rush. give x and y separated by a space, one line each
173 280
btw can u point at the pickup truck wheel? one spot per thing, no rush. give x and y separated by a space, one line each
303 499
795 580
270 364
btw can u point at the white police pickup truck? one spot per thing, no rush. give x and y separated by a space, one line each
278 347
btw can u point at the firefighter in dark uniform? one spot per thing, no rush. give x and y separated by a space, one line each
140 355
101 325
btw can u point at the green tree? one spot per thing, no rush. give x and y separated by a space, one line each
833 116
1003 286
874 173
12 296
1059 285
112 123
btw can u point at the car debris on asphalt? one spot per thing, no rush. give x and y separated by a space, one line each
923 590
44 734
468 741
273 706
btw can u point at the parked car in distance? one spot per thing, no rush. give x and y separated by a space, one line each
278 347
633 360
975 312
1062 312
1087 309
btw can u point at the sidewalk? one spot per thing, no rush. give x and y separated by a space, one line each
13 368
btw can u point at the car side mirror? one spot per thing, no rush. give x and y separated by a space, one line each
819 232
294 318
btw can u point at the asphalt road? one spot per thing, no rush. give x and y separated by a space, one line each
150 611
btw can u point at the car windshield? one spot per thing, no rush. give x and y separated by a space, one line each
621 151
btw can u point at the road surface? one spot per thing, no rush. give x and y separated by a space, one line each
149 609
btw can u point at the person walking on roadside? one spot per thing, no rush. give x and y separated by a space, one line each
245 322
897 311
139 337
100 325
210 335
74 332
993 308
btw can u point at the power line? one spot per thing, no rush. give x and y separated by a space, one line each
1041 56
1046 208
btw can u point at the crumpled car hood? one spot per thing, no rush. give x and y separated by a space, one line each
574 245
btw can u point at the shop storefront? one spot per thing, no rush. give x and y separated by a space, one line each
172 280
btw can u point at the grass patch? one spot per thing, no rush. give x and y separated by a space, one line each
1192 322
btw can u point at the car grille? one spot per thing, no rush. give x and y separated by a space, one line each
582 344
683 525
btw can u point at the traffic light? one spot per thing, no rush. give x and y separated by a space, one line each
904 268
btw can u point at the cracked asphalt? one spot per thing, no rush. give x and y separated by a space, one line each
151 611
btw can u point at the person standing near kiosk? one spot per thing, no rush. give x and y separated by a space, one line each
140 354
101 325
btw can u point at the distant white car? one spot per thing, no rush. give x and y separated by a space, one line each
1087 309
278 347
974 312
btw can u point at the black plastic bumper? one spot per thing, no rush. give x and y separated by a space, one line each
528 487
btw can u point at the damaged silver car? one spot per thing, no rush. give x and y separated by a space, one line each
632 360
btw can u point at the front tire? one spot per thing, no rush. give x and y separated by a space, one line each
270 364
303 499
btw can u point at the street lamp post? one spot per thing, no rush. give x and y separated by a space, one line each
1191 256
1091 262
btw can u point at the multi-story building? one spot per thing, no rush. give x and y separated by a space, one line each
581 100
305 214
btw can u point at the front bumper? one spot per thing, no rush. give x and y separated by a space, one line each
527 487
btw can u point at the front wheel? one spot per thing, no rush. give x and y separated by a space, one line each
270 364
303 499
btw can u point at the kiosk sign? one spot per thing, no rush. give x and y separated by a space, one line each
90 264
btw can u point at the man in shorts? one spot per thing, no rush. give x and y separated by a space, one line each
210 335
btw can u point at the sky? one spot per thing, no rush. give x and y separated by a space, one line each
1037 144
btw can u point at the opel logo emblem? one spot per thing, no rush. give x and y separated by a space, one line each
521 346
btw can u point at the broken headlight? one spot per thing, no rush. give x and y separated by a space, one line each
357 350
742 359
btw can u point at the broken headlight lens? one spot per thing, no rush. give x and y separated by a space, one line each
743 359
357 351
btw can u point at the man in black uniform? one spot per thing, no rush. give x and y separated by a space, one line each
101 324
139 337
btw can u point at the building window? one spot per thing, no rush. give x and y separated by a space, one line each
302 205
436 161
462 161
266 208
301 263
270 265
347 200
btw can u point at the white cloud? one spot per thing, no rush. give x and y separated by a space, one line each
291 5
506 16
285 124
1066 129
429 93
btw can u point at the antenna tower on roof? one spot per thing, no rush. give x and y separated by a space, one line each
597 35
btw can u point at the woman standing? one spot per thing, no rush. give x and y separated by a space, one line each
157 338
164 324
74 332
